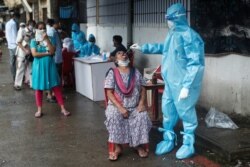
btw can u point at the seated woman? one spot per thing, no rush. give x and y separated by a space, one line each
90 48
127 120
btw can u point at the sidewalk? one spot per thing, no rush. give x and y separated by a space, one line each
225 145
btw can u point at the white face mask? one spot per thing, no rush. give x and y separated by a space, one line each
123 63
170 24
39 35
30 27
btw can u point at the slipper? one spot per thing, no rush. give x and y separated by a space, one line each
141 152
65 113
38 114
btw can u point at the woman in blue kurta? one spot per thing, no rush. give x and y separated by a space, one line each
44 73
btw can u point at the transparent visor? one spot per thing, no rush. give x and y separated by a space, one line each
174 15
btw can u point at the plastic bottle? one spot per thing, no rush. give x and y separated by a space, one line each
104 57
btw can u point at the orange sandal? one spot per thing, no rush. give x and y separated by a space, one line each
113 156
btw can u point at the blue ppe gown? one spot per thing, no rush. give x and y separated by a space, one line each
89 49
182 67
78 37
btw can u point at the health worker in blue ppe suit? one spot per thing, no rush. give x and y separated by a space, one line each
78 37
182 70
90 48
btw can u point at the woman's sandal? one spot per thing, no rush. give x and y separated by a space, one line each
113 156
65 113
38 114
141 152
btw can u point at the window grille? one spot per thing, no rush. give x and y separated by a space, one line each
152 12
145 12
91 11
113 12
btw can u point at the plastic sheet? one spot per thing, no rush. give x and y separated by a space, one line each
215 118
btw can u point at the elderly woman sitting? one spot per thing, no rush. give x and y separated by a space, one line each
127 120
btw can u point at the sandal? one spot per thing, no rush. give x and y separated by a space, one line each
141 152
38 114
65 113
113 156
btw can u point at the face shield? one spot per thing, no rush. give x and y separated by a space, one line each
174 15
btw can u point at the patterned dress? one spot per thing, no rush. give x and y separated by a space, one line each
44 72
135 129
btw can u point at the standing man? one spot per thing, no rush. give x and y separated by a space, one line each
182 70
24 35
21 51
52 31
58 44
11 35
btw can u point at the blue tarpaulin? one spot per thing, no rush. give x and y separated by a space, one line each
67 12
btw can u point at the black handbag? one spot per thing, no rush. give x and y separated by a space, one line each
29 57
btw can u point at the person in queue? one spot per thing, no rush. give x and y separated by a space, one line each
23 54
44 72
11 35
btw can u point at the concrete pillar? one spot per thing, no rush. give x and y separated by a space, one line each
49 13
129 23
